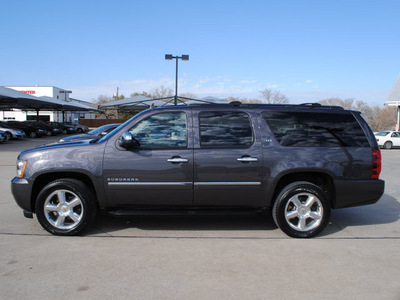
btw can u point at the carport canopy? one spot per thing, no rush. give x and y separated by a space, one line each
10 99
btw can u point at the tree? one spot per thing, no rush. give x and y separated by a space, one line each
377 117
273 97
161 92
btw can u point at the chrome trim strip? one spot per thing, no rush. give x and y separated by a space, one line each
250 183
151 183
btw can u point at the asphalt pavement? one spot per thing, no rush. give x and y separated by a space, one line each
215 257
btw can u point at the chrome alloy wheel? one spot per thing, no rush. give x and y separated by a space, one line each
304 212
63 209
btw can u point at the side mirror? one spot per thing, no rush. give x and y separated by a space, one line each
128 141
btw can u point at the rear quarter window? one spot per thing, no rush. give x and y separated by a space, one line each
312 129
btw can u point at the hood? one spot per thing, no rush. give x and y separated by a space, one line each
57 146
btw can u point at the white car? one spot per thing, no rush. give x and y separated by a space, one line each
388 139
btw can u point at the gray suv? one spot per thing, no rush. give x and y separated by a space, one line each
296 162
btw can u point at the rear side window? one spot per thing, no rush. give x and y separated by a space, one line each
310 129
225 130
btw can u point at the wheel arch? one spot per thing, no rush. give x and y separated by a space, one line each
323 180
42 180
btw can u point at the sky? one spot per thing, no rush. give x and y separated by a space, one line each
308 50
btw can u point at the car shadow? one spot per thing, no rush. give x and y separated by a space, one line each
386 211
109 224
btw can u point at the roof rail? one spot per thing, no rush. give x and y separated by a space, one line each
311 104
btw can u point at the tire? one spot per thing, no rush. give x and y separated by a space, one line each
301 210
8 136
80 130
66 207
388 145
32 134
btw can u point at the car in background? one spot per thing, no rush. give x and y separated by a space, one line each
3 137
388 139
30 131
44 130
11 133
95 133
66 129
79 128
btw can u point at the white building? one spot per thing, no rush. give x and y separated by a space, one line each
49 91
394 99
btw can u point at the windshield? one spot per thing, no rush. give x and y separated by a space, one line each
382 133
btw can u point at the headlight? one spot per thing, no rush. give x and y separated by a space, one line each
21 164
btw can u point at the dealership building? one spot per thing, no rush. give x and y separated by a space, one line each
57 116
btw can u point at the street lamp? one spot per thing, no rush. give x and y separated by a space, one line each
170 57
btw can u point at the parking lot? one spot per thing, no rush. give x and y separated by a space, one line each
214 257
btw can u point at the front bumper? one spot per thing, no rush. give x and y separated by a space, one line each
22 191
358 192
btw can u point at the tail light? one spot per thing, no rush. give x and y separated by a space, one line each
376 162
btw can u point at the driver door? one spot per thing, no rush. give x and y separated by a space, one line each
159 171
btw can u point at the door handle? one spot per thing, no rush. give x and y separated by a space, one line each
177 160
247 159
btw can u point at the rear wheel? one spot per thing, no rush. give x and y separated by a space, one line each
301 210
66 207
388 145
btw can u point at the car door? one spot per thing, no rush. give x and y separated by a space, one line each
228 159
157 172
396 139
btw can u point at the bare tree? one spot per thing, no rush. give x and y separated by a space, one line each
377 117
273 97
162 92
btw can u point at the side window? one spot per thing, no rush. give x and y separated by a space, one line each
161 131
225 130
310 129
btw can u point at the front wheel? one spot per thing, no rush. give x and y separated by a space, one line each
66 207
301 210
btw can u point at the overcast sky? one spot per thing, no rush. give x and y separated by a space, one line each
309 50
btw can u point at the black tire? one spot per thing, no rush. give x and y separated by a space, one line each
8 136
301 210
388 145
80 130
32 134
66 207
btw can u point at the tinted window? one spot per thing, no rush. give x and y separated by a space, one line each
225 129
310 129
164 130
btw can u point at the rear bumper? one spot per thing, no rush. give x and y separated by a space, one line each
358 192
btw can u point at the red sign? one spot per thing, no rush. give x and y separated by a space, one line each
29 92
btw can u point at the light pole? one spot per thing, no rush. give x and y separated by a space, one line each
170 57
65 92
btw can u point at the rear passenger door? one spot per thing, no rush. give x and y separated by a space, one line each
228 159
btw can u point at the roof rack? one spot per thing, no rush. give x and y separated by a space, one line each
310 105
